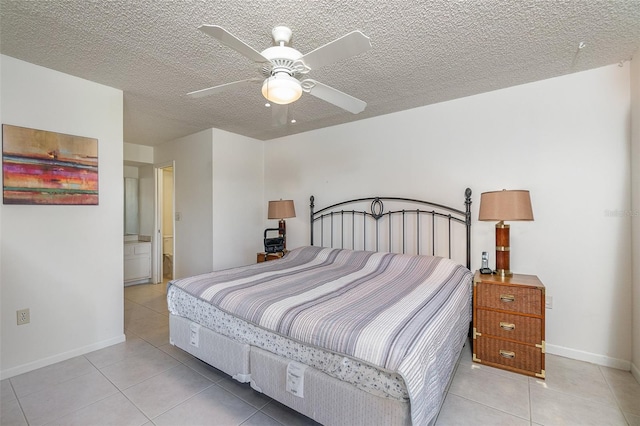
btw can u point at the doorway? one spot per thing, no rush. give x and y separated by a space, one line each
165 254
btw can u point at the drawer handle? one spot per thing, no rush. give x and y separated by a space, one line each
507 326
507 354
507 298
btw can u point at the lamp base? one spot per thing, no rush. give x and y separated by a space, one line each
503 273
503 250
283 232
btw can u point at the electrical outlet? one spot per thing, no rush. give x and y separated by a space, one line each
548 302
24 317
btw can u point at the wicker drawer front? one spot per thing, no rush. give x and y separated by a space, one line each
510 298
514 355
509 326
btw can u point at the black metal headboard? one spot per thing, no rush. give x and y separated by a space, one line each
408 223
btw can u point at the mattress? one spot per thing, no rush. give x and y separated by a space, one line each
403 317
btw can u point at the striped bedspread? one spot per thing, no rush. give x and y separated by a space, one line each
380 308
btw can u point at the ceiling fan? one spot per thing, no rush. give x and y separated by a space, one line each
282 67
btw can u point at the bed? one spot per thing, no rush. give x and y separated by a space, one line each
363 326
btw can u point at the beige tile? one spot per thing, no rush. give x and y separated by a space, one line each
147 296
149 322
628 396
626 389
507 394
176 352
577 378
551 407
134 312
11 413
615 374
632 419
244 391
214 405
140 292
206 370
64 398
132 347
287 416
475 366
166 390
261 419
37 380
461 411
114 410
133 370
157 303
6 391
156 337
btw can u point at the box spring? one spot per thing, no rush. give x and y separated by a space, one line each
223 353
326 399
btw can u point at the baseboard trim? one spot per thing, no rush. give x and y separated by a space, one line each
605 361
25 368
635 372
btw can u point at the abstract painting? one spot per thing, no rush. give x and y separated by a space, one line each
41 167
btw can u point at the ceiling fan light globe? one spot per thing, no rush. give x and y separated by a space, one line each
281 89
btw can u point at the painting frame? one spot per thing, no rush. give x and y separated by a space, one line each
40 167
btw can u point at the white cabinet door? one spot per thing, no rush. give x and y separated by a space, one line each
137 261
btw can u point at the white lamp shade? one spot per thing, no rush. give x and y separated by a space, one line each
281 89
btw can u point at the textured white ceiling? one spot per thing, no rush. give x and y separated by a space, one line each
423 52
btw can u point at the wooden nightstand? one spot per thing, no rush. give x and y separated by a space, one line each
508 323
264 257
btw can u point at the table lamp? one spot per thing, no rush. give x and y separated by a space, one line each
281 209
504 206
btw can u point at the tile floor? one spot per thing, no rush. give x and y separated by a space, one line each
146 381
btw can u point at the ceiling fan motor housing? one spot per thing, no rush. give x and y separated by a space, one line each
281 59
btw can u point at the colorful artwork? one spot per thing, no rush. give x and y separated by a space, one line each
40 167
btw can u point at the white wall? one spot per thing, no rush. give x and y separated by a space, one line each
635 210
64 263
219 191
134 153
564 139
193 174
238 216
131 172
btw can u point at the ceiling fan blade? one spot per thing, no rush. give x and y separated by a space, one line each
222 88
229 40
279 115
346 46
334 96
